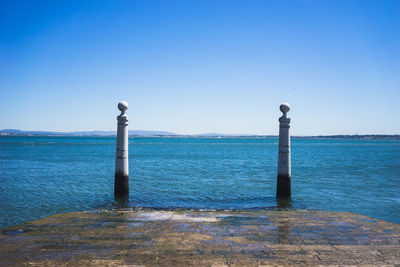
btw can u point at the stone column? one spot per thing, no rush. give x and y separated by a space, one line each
283 187
121 185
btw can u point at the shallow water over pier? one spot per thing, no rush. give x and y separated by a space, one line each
194 238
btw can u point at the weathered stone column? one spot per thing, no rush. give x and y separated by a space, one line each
283 187
121 185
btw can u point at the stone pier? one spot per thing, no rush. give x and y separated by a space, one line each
202 238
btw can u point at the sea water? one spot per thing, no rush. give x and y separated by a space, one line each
40 176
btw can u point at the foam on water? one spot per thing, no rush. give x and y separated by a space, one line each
172 216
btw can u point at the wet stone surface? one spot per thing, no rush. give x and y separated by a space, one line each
215 238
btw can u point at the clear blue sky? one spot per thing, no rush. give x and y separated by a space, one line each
201 66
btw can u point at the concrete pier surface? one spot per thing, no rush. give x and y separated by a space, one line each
202 238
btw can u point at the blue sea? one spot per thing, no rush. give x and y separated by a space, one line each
40 176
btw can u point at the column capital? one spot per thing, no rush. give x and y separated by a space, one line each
123 118
284 120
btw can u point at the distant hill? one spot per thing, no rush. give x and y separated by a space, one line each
145 133
151 133
220 135
86 133
355 136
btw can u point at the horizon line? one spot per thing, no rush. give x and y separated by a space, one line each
5 132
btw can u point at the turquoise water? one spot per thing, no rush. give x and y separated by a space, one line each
40 176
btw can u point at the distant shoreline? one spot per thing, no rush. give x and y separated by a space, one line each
141 133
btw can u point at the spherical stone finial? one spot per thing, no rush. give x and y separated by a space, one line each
284 107
122 106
